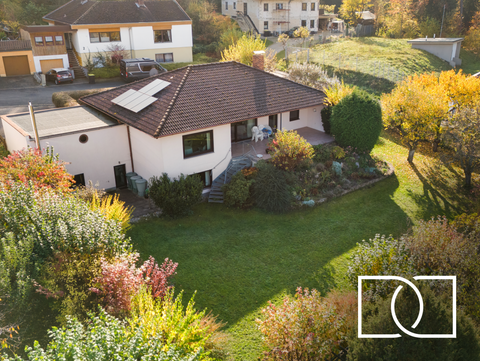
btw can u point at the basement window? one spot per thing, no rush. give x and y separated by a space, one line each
205 177
164 58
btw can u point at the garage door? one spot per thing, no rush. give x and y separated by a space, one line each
16 65
46 65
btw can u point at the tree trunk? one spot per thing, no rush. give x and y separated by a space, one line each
468 178
435 144
411 153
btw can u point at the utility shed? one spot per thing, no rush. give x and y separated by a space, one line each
447 49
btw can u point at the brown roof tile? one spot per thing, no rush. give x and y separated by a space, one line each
116 12
207 95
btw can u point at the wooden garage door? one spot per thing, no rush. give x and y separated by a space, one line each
46 65
16 65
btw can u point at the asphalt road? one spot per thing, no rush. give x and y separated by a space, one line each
16 92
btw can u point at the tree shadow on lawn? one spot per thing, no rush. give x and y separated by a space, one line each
240 259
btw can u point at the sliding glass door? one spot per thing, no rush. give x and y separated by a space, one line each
242 130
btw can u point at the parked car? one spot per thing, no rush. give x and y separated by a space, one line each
59 75
134 69
291 31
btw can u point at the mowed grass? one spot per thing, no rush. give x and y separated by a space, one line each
357 56
237 260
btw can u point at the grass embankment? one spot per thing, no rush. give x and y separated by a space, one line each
237 260
366 62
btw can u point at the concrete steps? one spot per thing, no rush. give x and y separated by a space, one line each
74 65
236 165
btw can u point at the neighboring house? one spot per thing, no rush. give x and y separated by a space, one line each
275 17
160 30
188 123
16 58
447 49
48 45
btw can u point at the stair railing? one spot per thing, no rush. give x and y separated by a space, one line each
228 151
77 56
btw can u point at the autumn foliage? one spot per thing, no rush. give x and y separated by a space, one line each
290 149
44 170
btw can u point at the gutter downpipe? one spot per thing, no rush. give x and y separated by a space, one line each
130 147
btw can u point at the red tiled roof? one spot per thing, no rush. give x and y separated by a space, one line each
81 12
208 95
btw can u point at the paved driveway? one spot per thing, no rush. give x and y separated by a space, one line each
16 92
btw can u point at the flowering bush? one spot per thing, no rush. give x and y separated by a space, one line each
120 280
290 149
306 327
31 165
112 208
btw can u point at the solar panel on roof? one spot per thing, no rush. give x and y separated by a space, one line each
154 87
137 100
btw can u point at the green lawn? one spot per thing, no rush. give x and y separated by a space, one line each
358 56
238 260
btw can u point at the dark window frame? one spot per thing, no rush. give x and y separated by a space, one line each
163 31
202 178
265 7
206 151
226 5
294 115
39 44
234 5
279 6
104 32
52 43
312 24
265 25
304 6
304 23
59 42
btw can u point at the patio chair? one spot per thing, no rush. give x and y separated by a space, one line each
256 134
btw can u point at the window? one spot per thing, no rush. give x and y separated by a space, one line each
265 25
304 23
83 138
312 6
294 115
163 36
58 40
39 41
104 37
49 40
304 6
164 58
79 180
226 5
205 177
234 5
273 121
198 143
265 7
312 24
279 6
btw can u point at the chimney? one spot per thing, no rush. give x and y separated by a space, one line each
259 59
140 3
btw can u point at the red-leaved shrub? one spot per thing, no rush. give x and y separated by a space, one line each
157 277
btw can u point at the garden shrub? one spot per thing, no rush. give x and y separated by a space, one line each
171 322
63 99
176 197
290 149
377 257
437 318
105 338
237 192
270 190
357 121
304 327
326 115
112 208
31 165
322 153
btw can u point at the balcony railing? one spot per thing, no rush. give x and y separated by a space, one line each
11 45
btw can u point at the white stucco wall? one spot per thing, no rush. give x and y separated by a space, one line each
37 59
15 140
152 156
106 148
308 118
140 39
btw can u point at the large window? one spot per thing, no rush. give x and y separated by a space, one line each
265 7
312 6
163 36
104 37
304 6
279 6
304 23
164 58
312 24
294 115
198 143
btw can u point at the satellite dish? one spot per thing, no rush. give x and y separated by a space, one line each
153 72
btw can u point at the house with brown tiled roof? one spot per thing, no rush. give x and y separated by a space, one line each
192 120
159 30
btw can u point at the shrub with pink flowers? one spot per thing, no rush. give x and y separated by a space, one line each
43 169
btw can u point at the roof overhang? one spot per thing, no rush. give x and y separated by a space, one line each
34 29
130 25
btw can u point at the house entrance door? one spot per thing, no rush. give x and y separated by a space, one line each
245 9
68 41
242 130
120 176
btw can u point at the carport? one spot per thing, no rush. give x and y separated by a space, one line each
16 58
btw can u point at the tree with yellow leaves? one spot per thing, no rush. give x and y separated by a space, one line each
302 33
242 51
415 109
